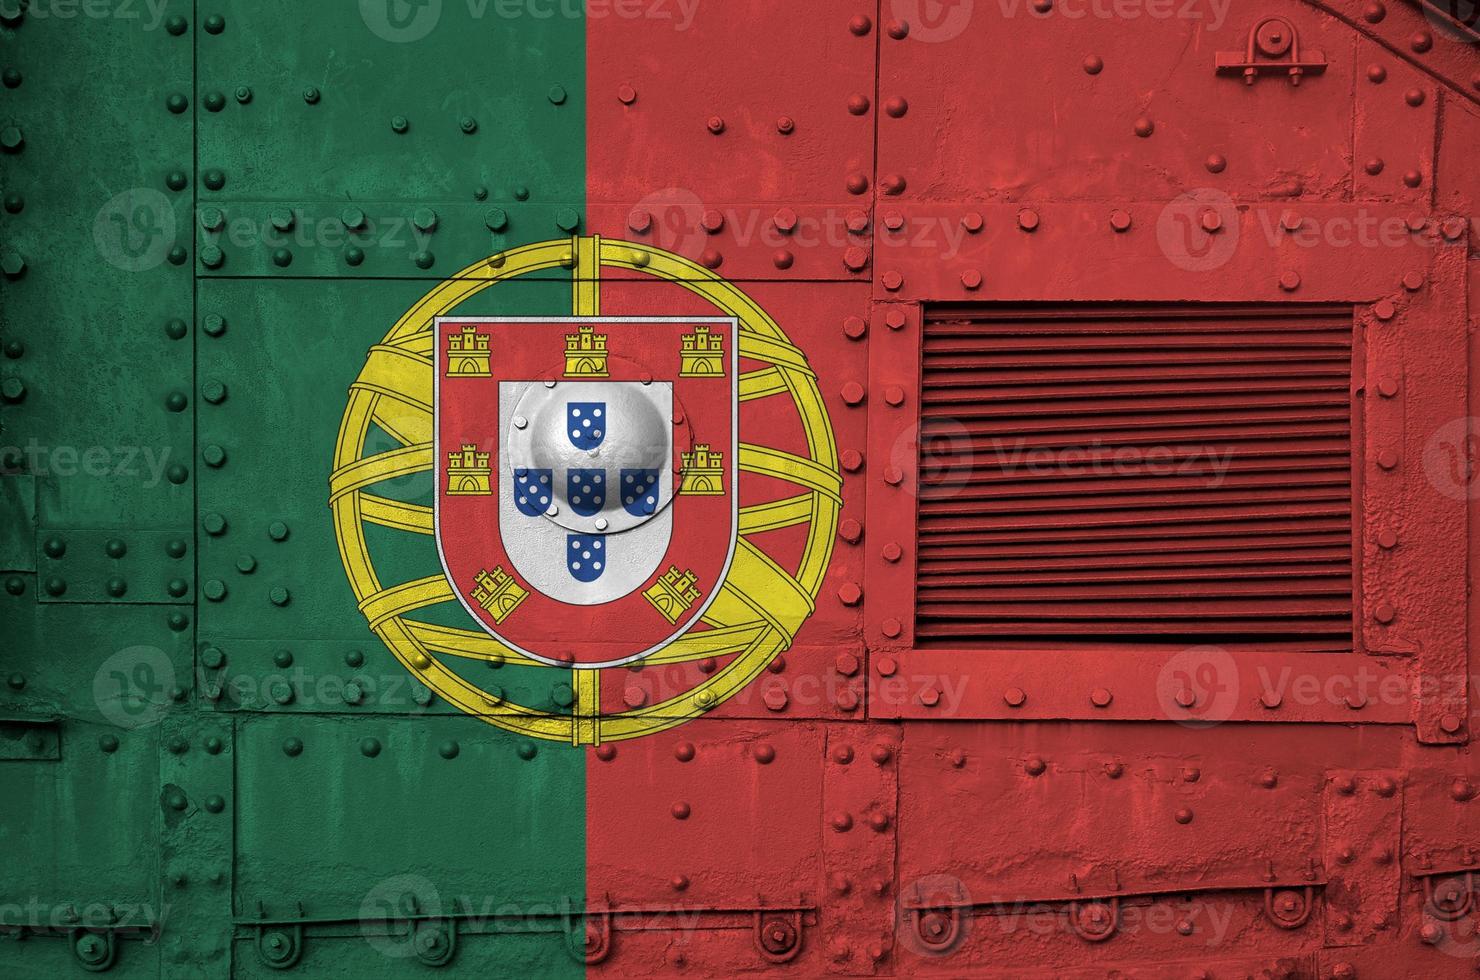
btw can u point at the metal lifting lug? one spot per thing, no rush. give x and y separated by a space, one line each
96 949
1289 908
434 941
1448 897
1273 46
279 945
1095 921
778 935
939 930
592 943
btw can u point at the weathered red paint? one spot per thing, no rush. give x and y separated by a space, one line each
1060 808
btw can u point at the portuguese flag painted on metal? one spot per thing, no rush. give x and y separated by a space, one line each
455 581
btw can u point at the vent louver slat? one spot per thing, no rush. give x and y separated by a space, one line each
1158 475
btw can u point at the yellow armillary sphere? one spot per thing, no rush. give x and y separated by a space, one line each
759 606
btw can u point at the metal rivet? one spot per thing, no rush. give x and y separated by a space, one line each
1421 41
891 627
971 279
785 125
715 125
1144 127
972 222
860 25
1290 281
400 124
1100 697
1216 163
1384 612
1027 219
1093 65
1387 459
1014 697
896 106
857 184
852 460
1120 220
858 104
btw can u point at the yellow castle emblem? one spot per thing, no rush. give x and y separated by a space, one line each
497 592
585 353
673 594
468 354
702 355
703 472
468 472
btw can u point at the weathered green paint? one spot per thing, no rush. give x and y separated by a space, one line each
178 746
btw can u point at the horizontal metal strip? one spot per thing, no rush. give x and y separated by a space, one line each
1108 404
1334 630
1140 312
1111 609
1322 436
1145 520
1252 344
1222 561
1337 586
947 470
1178 499
1077 534
1078 376
1110 330
1198 479
1249 422
934 392
1234 356
993 582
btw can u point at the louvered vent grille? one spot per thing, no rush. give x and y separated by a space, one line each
1121 475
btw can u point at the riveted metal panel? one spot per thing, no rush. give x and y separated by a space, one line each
245 728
